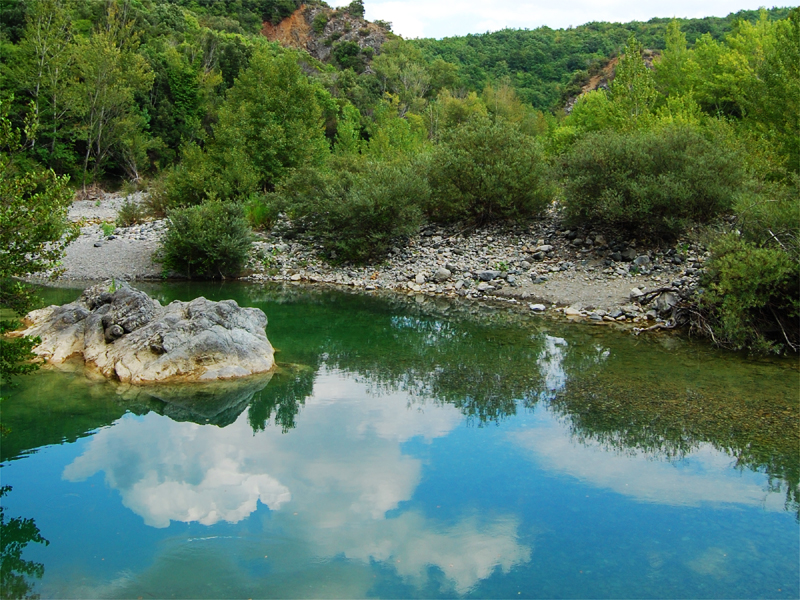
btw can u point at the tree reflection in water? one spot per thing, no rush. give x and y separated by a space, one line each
15 572
489 364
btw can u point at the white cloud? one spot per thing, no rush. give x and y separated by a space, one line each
330 482
420 18
173 474
704 476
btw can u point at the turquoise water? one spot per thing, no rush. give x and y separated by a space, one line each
412 449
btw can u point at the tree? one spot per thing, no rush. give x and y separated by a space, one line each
273 116
633 91
15 572
670 68
45 65
356 8
110 74
402 70
33 235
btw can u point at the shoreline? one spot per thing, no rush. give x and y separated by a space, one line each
544 267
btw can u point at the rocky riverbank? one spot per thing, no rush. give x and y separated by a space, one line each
544 267
580 273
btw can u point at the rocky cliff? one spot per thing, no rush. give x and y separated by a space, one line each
320 30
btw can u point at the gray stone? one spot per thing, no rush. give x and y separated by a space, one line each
544 248
628 255
537 307
484 287
488 275
666 301
419 279
616 256
636 293
616 313
525 265
441 275
642 261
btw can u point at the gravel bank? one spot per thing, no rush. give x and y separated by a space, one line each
124 253
580 273
546 267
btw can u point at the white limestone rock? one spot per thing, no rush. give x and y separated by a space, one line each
129 336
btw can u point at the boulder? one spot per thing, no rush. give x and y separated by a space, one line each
441 275
666 301
628 255
636 293
129 336
488 275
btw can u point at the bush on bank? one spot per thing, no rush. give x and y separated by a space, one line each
654 182
753 279
358 211
487 171
753 297
211 240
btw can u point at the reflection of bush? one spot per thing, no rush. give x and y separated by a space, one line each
15 573
283 397
482 371
665 419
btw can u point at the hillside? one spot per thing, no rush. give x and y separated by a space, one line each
260 114
548 66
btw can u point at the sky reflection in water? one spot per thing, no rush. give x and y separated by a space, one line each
379 490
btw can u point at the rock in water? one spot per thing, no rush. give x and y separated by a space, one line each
129 336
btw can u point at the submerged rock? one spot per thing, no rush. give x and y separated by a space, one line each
129 336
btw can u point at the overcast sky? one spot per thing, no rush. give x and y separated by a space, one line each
442 18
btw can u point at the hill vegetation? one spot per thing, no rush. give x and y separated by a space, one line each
362 144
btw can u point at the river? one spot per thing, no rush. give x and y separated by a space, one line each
410 448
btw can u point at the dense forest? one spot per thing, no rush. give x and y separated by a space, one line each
697 124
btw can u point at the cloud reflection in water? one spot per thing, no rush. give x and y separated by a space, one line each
340 471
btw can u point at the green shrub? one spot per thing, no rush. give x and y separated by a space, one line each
210 240
320 21
487 171
652 182
768 212
261 211
226 173
348 56
753 296
130 213
753 279
357 214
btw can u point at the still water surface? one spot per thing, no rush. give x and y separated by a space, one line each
411 449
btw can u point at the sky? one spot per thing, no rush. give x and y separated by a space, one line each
443 18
